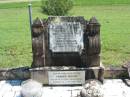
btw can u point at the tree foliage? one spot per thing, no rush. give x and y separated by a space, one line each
56 7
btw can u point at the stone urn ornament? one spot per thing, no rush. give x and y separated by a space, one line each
31 88
92 88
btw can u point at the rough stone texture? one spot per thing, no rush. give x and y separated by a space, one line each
31 88
93 60
127 67
38 39
92 88
116 72
94 72
41 74
14 74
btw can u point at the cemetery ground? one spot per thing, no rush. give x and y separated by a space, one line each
15 35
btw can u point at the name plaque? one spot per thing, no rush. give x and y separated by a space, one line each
66 36
66 77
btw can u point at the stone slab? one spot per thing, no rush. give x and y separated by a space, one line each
65 36
112 88
66 77
44 75
13 74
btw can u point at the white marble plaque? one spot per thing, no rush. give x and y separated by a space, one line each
65 36
66 77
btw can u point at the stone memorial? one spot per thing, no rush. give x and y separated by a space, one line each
64 42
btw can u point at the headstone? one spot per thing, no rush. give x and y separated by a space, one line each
67 42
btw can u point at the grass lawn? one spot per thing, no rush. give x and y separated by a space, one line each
115 31
15 37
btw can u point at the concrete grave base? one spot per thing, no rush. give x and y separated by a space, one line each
42 74
23 73
111 88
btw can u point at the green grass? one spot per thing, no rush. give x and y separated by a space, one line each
76 3
15 37
100 2
18 5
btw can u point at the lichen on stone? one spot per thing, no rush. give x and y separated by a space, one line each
92 88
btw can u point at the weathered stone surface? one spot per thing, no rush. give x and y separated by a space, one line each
127 67
93 27
38 73
92 88
31 88
42 74
115 72
16 73
93 60
66 41
65 36
38 39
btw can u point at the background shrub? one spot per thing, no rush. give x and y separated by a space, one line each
56 7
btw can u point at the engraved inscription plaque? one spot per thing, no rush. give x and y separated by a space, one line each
66 36
66 77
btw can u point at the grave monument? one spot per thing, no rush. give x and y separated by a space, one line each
67 49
